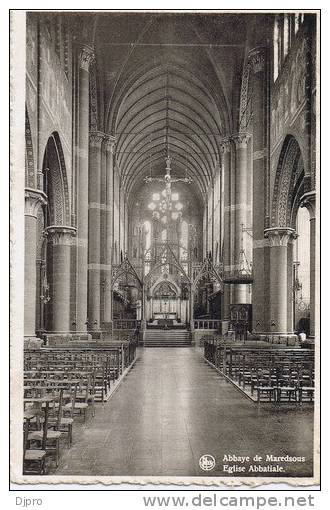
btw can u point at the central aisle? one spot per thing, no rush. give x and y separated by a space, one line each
171 408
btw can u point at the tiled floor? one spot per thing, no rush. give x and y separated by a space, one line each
172 408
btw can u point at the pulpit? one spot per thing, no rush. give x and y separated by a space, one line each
241 319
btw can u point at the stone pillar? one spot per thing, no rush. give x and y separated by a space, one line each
40 297
138 310
103 233
308 200
94 229
143 309
225 162
212 222
110 147
260 287
125 248
241 143
60 238
84 59
33 200
278 241
206 215
290 304
191 308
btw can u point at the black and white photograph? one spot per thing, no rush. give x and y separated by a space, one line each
165 246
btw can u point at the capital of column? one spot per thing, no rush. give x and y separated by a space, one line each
60 234
34 198
110 143
85 57
241 140
279 236
308 200
96 138
256 59
225 146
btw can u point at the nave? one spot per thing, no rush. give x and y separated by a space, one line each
171 409
170 201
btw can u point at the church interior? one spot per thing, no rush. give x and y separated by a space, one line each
170 242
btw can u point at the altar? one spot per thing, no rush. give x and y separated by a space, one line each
165 320
165 315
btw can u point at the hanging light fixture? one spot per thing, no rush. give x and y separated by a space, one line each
243 274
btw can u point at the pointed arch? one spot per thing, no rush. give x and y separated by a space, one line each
55 182
289 173
125 268
157 268
209 272
161 286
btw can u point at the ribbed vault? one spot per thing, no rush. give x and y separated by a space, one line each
167 107
163 99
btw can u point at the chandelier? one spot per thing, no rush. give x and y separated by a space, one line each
167 202
244 272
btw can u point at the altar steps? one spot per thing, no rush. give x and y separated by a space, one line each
167 338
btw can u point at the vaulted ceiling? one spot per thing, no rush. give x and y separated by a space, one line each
168 81
167 107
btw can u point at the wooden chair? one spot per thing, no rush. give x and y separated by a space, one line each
81 400
305 386
65 423
48 438
286 391
255 378
265 387
307 391
91 395
33 459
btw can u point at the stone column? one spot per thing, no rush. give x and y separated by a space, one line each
290 304
94 229
60 238
225 161
103 234
241 143
260 287
191 308
308 200
278 241
84 58
110 147
123 215
143 309
206 215
212 222
33 200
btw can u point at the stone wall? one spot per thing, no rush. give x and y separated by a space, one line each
290 100
49 92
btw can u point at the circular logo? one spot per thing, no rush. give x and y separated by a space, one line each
207 462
